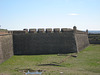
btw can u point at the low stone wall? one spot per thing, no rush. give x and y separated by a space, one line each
94 38
94 41
6 47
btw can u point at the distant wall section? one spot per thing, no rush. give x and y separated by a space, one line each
94 38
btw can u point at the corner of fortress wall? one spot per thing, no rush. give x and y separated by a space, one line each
6 47
82 40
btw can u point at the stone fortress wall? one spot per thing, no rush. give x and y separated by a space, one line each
49 41
42 41
6 47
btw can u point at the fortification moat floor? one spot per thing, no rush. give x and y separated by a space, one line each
87 62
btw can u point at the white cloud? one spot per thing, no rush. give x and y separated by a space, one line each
73 14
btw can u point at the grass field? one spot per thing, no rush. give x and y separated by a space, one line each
87 62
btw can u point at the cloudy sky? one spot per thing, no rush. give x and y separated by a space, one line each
20 14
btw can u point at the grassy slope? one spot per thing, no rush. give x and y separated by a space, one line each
87 63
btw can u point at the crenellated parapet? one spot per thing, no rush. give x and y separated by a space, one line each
48 30
41 30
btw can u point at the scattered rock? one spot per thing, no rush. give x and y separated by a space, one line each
74 56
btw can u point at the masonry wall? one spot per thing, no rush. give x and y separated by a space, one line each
44 43
81 40
6 47
94 38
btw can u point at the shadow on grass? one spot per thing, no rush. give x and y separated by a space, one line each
57 63
52 64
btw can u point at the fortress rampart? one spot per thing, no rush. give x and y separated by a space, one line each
49 41
44 41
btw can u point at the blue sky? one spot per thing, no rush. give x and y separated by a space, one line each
20 14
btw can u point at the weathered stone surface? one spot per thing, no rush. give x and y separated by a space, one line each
81 40
44 43
6 47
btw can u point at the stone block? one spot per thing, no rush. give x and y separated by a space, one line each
49 30
56 29
32 30
40 30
